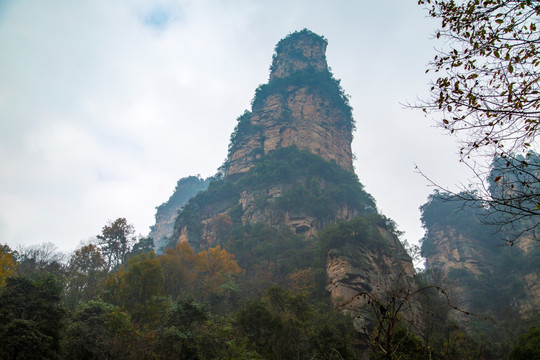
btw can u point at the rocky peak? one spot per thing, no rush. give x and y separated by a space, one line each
298 51
302 105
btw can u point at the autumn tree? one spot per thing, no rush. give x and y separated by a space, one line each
217 267
115 241
7 264
180 271
487 88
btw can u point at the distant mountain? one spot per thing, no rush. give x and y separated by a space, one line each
166 213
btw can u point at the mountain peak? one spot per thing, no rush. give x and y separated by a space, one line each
298 51
302 105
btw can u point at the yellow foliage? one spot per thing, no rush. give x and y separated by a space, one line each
205 272
218 262
302 280
7 266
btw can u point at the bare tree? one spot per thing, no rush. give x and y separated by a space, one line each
487 88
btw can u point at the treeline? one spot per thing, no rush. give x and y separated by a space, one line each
116 299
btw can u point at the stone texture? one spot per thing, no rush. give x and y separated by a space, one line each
454 251
359 269
298 52
302 116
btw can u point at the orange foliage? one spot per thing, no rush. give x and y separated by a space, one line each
202 273
302 280
7 265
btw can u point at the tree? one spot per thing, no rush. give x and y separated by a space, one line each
30 318
217 267
528 346
85 274
99 330
180 271
487 88
141 288
7 264
178 338
34 260
142 246
285 325
115 241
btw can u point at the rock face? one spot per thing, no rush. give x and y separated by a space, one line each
302 105
289 175
373 270
468 260
166 213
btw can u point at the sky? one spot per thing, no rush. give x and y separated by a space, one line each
105 105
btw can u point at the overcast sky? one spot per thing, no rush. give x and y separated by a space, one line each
104 104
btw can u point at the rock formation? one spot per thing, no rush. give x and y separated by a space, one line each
469 260
289 175
166 213
302 106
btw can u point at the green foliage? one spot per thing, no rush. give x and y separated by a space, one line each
86 272
178 338
98 330
318 82
312 185
360 230
503 284
528 346
30 318
143 245
142 288
307 35
270 256
33 261
244 128
283 325
185 189
444 210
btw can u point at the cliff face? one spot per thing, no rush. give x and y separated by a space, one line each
166 213
302 105
472 265
375 270
289 175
